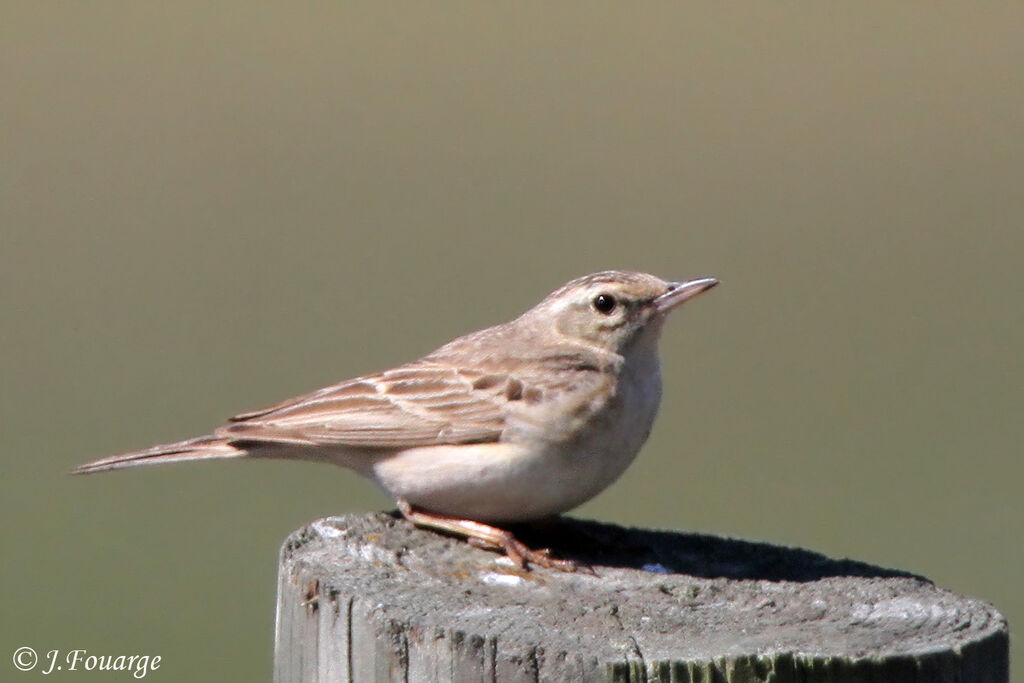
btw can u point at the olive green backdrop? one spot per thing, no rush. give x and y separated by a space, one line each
205 209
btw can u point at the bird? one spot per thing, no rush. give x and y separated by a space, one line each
514 423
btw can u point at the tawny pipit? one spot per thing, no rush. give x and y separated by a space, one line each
516 422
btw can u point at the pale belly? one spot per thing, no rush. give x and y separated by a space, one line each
498 481
526 479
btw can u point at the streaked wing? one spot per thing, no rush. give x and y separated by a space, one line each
419 404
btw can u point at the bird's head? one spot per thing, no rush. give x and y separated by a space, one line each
612 309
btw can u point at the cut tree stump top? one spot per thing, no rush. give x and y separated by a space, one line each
370 597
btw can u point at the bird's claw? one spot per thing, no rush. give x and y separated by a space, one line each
522 555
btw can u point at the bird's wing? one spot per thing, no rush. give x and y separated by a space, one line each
420 404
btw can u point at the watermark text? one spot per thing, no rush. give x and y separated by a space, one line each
59 661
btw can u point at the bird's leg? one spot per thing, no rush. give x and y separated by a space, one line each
486 536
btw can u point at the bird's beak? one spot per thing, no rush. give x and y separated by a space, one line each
678 292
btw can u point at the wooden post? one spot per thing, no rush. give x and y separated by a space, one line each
371 598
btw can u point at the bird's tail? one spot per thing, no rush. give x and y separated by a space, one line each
202 448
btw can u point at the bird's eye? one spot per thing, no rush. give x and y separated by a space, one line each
604 303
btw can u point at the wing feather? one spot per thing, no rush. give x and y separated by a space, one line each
419 404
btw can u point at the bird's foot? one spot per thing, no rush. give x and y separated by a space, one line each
489 537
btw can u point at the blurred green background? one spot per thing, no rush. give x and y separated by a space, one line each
205 209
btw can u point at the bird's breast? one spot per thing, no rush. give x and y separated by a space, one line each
616 434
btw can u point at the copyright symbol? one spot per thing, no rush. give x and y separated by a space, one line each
25 659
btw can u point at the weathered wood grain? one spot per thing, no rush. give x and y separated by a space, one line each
370 598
